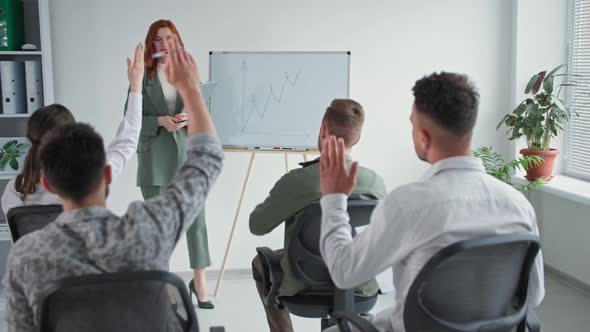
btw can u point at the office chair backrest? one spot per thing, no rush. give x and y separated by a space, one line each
124 301
26 219
474 285
304 250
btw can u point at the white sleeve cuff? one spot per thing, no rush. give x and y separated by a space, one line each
134 110
135 98
333 201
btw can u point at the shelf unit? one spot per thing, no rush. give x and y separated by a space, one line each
7 177
31 53
4 233
38 33
22 115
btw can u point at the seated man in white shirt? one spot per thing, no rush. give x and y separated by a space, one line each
26 189
455 200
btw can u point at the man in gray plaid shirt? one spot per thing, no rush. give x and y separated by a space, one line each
87 238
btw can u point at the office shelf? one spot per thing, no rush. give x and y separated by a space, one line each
20 53
21 115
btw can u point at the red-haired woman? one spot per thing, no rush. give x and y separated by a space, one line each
161 148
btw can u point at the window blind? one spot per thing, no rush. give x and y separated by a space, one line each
578 134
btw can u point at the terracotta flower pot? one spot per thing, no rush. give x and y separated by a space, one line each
543 170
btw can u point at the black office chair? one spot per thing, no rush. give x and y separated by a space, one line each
123 301
321 298
26 219
476 285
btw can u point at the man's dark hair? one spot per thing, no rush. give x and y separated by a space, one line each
449 99
344 118
72 160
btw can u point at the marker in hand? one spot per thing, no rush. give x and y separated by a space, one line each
180 118
164 53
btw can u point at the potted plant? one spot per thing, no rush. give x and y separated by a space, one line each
498 168
539 118
10 153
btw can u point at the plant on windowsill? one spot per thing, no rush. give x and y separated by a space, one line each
501 170
539 118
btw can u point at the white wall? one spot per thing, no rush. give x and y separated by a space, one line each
393 43
563 223
564 234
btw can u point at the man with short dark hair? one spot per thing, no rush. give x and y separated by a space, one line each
72 155
87 238
456 200
299 188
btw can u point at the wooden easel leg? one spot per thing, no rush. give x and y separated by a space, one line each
233 228
286 163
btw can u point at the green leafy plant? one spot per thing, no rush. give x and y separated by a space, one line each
9 154
501 170
541 116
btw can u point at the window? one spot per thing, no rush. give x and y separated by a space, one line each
578 134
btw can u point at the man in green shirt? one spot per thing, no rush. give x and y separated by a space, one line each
300 188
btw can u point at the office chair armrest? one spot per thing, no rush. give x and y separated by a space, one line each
217 329
273 274
532 321
360 323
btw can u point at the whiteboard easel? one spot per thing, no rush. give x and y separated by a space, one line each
240 201
251 86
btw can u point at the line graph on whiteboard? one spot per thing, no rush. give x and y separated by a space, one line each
255 109
269 99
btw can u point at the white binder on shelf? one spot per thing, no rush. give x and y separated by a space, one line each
34 81
12 81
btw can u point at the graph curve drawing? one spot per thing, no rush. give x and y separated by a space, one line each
271 96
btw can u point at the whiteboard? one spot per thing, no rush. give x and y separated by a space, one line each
274 99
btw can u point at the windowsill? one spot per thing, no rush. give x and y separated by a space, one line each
564 186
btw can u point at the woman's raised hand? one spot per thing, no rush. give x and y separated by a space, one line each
135 69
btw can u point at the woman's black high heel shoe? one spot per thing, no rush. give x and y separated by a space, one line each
192 290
